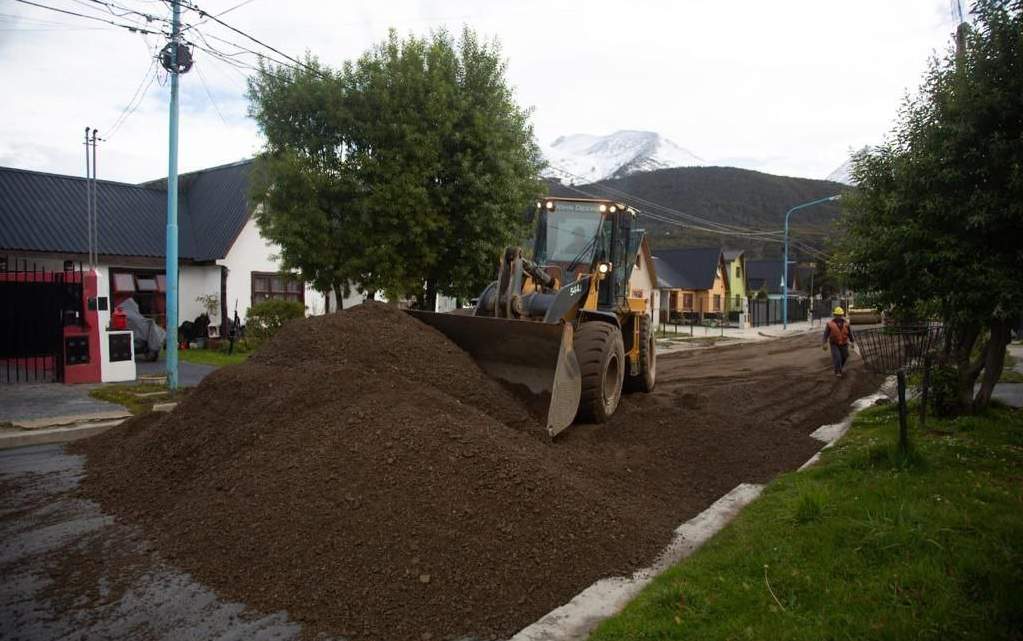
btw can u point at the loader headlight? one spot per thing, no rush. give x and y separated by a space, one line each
550 205
602 208
604 268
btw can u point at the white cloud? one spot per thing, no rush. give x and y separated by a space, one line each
789 86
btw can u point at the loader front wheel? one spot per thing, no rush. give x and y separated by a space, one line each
601 356
644 381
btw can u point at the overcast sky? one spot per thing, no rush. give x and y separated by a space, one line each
787 87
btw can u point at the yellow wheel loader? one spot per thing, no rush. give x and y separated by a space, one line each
562 323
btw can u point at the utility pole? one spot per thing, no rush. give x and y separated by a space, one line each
91 198
94 241
176 59
88 196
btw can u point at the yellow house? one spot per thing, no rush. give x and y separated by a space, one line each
694 284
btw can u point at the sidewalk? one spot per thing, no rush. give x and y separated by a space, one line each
682 341
1011 393
37 413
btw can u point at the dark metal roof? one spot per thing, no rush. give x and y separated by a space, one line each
46 213
693 268
731 254
767 274
666 276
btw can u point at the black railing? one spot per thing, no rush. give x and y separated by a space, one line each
35 305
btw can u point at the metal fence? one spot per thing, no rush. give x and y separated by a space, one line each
35 305
904 347
769 311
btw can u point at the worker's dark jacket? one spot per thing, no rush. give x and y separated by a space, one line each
838 331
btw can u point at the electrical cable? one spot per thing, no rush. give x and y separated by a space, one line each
209 93
203 14
134 28
136 100
721 227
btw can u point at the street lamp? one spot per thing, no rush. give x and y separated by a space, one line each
785 262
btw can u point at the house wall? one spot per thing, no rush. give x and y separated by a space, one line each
195 281
641 285
737 284
253 253
703 301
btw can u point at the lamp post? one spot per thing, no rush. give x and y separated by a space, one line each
785 261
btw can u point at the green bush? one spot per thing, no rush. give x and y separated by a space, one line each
943 392
264 319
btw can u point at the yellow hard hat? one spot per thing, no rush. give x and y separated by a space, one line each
839 311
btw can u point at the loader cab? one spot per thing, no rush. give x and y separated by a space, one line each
576 237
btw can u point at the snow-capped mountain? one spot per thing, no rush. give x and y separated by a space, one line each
582 158
844 173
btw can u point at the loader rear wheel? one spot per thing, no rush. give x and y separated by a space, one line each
644 381
601 356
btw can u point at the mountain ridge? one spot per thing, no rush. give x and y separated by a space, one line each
724 195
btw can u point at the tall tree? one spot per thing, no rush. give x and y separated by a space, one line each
403 172
934 227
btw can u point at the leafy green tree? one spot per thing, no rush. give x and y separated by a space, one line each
934 228
405 171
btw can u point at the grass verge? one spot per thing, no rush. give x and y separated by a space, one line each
212 357
870 543
138 398
1009 376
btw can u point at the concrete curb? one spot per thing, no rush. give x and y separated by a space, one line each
24 438
575 620
70 420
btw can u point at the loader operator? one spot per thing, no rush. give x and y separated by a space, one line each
839 334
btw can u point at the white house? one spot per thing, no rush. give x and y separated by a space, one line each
43 223
643 281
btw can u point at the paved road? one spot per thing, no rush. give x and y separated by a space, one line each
50 590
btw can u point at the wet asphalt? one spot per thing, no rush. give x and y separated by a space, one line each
136 595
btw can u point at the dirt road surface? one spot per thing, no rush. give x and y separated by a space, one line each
442 534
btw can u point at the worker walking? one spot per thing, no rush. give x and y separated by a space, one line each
839 334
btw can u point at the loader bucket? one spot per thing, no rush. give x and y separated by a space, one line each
530 353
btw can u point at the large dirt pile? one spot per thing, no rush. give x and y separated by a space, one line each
363 474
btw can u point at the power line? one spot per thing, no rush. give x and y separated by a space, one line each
136 100
133 27
716 227
751 235
296 61
210 94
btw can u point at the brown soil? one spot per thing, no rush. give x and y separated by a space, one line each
363 474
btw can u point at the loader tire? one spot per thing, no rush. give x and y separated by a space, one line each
601 356
647 377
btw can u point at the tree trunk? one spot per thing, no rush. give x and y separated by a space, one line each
993 363
429 301
968 372
339 300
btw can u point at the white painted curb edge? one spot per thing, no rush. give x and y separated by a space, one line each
576 619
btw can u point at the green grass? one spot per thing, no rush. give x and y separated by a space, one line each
212 357
129 396
870 543
1009 376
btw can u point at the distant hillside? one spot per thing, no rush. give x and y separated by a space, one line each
726 195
